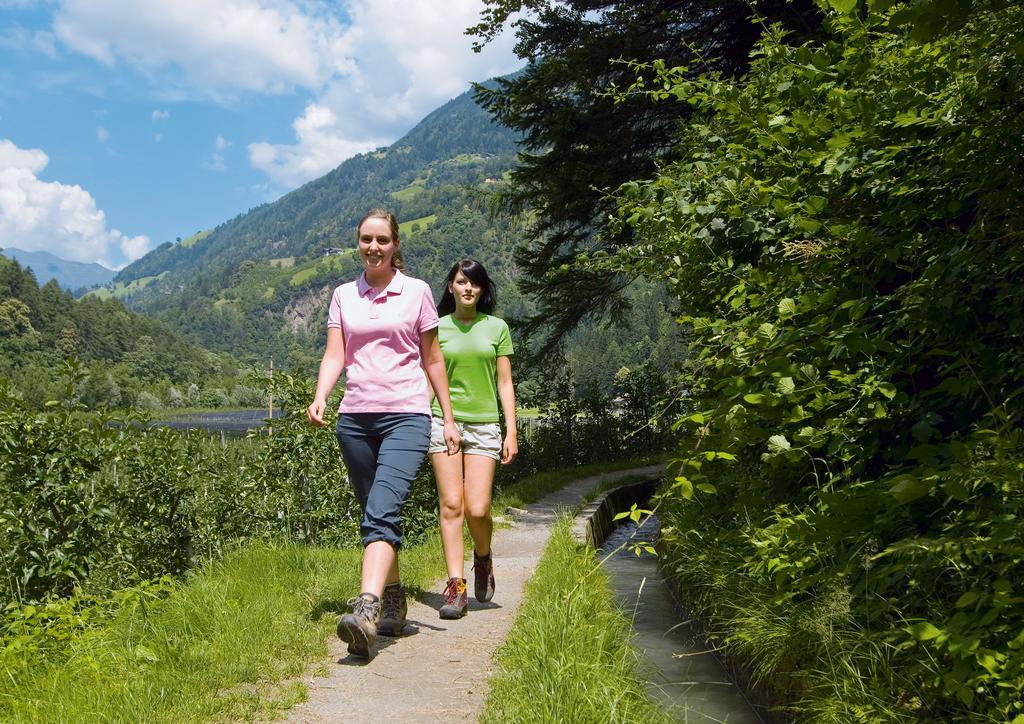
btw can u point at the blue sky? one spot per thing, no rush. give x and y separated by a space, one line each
127 123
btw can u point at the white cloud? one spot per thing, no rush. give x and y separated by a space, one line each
369 68
411 57
423 56
38 215
160 115
158 137
321 146
32 160
252 45
216 160
102 134
23 39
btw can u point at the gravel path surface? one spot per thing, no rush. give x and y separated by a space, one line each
440 669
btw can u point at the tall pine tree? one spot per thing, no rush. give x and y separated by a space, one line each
578 143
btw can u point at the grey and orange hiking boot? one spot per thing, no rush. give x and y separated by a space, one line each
393 610
456 600
359 628
483 577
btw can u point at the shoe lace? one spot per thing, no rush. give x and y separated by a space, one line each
392 607
361 607
451 591
481 565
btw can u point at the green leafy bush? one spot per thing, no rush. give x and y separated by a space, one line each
95 501
844 232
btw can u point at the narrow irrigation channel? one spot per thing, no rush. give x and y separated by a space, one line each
684 677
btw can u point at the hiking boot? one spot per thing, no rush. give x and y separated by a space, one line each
393 611
359 628
483 577
456 600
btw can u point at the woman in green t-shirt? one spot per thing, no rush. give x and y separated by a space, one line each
476 348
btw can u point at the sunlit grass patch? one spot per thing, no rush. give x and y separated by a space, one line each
303 275
568 656
225 644
120 290
533 488
195 238
411 191
405 229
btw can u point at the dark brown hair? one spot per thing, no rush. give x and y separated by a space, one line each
476 273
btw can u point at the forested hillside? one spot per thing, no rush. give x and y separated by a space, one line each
125 358
258 286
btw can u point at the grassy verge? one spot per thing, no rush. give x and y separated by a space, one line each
225 644
567 657
808 655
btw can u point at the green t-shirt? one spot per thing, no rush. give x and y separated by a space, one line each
471 354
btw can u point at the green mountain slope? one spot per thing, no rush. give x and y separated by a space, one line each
257 285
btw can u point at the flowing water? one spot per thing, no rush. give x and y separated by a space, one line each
683 676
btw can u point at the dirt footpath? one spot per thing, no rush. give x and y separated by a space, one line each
440 669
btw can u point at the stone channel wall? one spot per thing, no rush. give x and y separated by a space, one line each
596 520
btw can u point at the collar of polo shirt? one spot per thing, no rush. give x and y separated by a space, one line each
396 285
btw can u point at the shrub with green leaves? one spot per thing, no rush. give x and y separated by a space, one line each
844 231
95 501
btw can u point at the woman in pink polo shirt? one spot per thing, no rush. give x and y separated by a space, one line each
382 331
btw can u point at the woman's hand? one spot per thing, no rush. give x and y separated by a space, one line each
452 438
331 366
315 412
509 449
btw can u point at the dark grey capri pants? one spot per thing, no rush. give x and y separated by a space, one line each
383 452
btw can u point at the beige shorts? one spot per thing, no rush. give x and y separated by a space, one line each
478 438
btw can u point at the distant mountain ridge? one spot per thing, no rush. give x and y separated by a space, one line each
71 275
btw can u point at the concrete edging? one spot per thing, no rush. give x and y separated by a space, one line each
596 520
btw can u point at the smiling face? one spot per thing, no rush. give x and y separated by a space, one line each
376 244
466 292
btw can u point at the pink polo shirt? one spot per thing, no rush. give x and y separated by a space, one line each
382 344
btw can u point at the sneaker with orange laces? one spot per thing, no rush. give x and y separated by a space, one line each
456 600
483 577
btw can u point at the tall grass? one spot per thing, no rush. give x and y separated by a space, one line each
225 644
568 656
809 654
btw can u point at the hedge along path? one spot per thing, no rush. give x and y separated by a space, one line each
441 668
